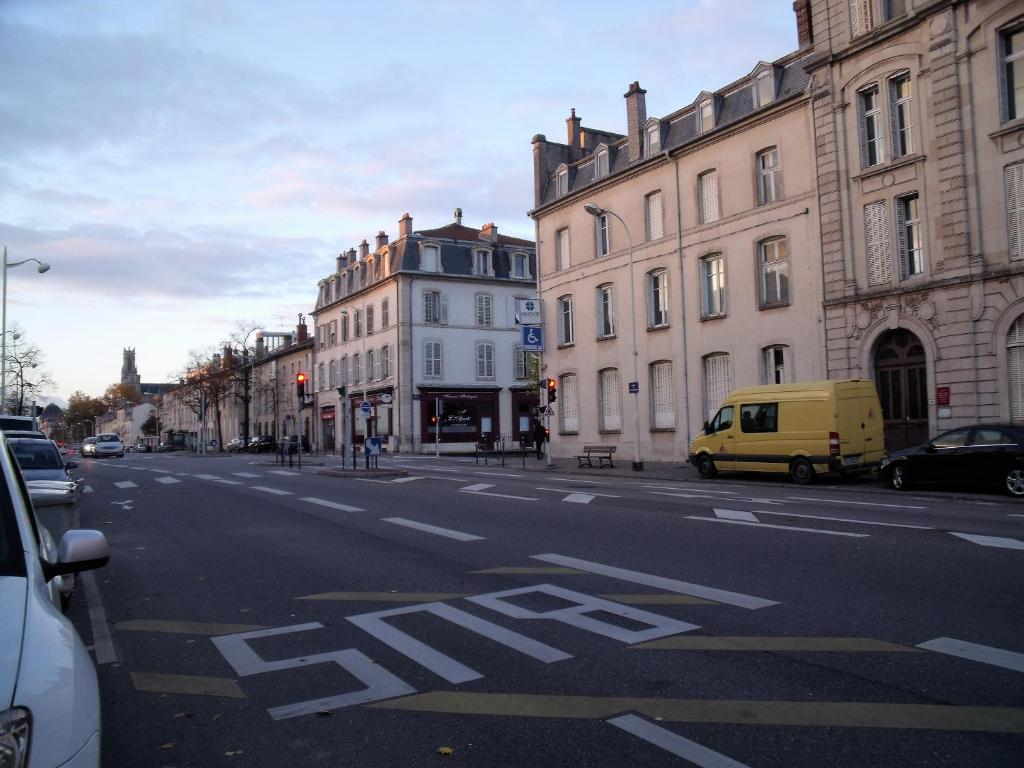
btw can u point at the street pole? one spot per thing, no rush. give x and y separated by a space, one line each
437 426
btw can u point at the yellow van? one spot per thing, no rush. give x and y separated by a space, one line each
803 429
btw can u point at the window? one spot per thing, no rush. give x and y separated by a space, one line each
708 188
562 182
705 116
385 361
371 365
653 216
871 135
876 239
605 311
900 104
1015 364
332 371
663 396
562 248
385 313
860 17
344 327
763 417
569 404
775 369
601 169
609 406
520 266
1015 210
657 299
565 321
1012 73
653 139
603 235
333 325
892 9
430 257
717 381
908 233
482 263
435 308
369 320
768 176
321 334
484 309
432 359
343 372
773 269
712 285
321 378
764 89
519 361
722 420
357 369
484 360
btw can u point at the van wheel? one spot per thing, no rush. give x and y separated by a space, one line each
1015 482
802 471
706 466
899 478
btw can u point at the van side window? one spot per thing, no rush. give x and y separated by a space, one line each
723 419
763 417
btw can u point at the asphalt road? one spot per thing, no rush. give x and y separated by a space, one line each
252 616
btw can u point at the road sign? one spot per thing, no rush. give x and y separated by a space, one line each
532 338
386 398
527 312
549 411
634 387
366 408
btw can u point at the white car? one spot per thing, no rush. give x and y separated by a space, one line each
108 444
49 698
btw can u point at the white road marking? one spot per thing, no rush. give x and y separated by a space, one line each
689 495
497 474
332 504
162 471
275 491
985 654
371 480
990 541
503 496
1014 515
735 514
696 490
659 582
570 490
215 479
104 644
407 479
126 484
579 498
844 520
440 469
778 527
245 474
690 751
87 489
282 472
858 503
477 487
446 532
167 480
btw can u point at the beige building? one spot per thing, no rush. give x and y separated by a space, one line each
703 258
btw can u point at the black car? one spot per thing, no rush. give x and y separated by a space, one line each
262 444
983 453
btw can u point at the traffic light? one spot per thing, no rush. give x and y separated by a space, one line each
552 390
300 385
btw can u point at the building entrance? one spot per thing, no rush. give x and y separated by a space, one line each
902 381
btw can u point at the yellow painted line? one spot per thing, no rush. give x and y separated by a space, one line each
198 686
552 570
664 599
386 597
830 644
184 627
822 714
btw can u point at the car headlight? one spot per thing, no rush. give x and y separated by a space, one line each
15 728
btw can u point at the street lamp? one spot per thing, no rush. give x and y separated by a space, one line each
595 210
43 267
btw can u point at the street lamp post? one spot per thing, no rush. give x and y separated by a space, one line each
43 267
595 210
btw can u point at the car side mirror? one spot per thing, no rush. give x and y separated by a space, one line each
707 428
79 550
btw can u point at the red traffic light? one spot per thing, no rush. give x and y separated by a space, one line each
300 378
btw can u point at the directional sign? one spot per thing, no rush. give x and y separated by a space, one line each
527 312
532 338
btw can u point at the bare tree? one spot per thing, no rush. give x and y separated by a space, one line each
27 379
209 383
243 347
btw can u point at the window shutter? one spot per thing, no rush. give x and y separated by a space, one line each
717 382
862 133
519 361
876 235
1015 209
1015 362
663 395
901 239
655 228
860 17
610 411
894 125
709 196
569 400
444 309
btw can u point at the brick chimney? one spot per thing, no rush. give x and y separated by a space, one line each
636 116
382 239
405 226
572 126
302 332
804 32
364 250
489 232
458 216
350 256
342 260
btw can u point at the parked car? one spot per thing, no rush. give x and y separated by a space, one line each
89 446
49 697
108 444
9 433
236 444
166 447
982 453
262 444
40 459
10 422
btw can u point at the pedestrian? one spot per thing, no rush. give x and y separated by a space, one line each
539 433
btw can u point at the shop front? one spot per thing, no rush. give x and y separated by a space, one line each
379 422
524 410
327 427
464 416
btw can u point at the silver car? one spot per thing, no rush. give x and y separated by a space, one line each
108 444
89 446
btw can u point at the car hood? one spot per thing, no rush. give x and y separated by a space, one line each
13 590
32 475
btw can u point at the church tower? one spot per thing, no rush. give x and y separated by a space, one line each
129 375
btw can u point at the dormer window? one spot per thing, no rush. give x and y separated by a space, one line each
653 138
601 169
706 116
764 89
562 181
482 263
520 266
430 258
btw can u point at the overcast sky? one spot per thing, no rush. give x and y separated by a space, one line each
187 165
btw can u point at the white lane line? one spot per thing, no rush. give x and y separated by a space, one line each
857 503
126 484
282 472
275 491
215 479
659 582
477 487
690 751
498 474
696 490
579 498
735 514
407 479
87 489
570 490
371 480
247 475
102 641
332 504
845 520
183 474
162 471
446 532
502 496
167 480
985 654
990 541
689 495
778 527
1011 514
439 469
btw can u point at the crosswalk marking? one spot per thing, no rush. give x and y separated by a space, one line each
985 654
282 472
275 491
477 487
990 541
735 514
215 479
446 532
407 479
673 743
247 475
167 480
126 484
579 498
331 504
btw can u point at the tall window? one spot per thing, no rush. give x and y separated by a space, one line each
860 17
357 368
609 400
708 184
1015 209
519 361
900 112
773 268
566 331
876 240
569 404
717 382
385 361
657 298
430 258
332 372
562 183
605 311
343 370
654 216
603 235
484 360
369 319
371 365
768 176
705 116
602 163
892 9
872 137
321 378
333 332
775 368
1012 73
1015 364
435 308
385 313
653 139
344 327
484 309
562 249
712 285
908 232
482 263
432 359
663 396
764 89
359 323
520 265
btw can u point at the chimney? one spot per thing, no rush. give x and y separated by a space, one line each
572 125
228 357
636 116
301 330
489 232
260 348
804 32
364 250
540 167
405 226
342 260
458 216
382 239
350 256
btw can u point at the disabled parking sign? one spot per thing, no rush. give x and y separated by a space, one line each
532 338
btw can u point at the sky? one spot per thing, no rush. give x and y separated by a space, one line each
187 166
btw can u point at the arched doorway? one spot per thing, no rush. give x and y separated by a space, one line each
902 381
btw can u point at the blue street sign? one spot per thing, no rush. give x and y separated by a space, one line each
532 338
365 407
634 387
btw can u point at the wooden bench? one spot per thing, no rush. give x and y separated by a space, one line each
602 453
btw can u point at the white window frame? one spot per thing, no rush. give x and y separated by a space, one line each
435 308
482 263
706 116
385 312
518 362
773 270
605 314
433 359
764 88
663 396
712 285
654 215
717 374
869 115
521 266
569 404
562 252
602 235
775 365
657 299
602 165
371 365
385 361
484 304
369 319
566 321
357 368
485 361
768 176
901 115
430 257
1010 107
1015 369
609 400
909 236
653 139
562 182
